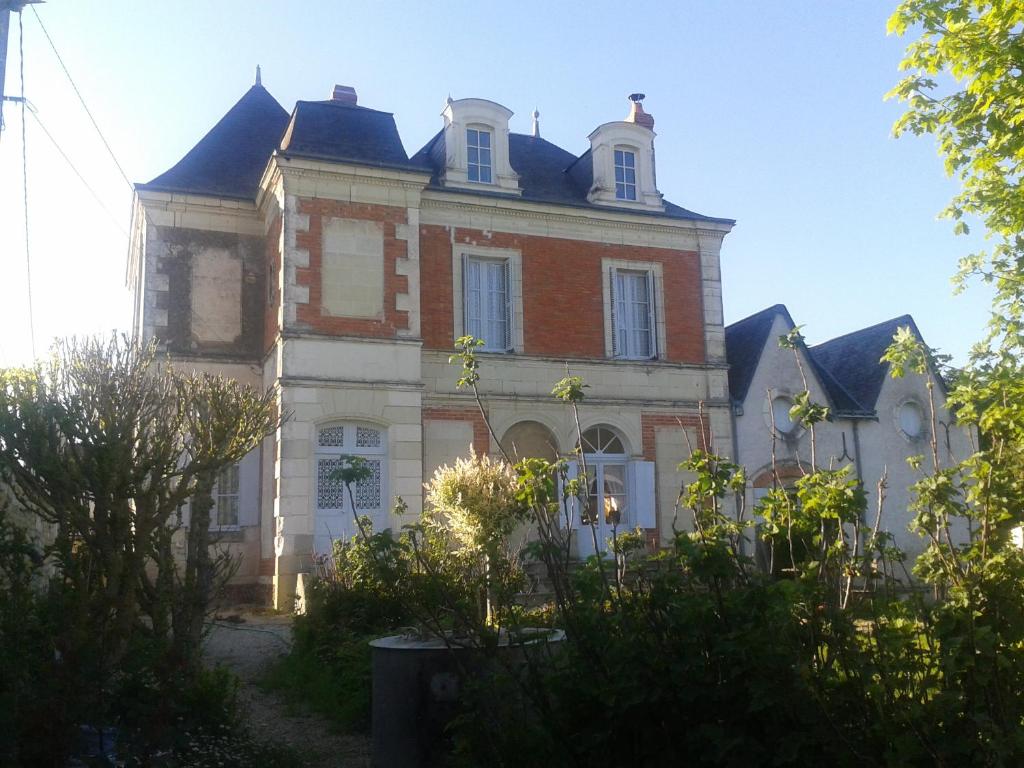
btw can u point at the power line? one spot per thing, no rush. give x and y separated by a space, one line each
24 182
77 173
81 99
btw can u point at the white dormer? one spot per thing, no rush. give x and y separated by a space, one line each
622 154
476 146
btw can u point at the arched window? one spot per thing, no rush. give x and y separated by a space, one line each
605 456
620 491
334 514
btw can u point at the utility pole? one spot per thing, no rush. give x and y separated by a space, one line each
6 8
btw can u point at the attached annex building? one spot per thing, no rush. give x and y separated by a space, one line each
877 422
310 253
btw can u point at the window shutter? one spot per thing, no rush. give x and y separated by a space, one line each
249 488
640 489
651 307
509 315
614 315
470 281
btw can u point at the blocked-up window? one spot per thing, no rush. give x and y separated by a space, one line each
352 269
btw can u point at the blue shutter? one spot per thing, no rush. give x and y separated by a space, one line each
249 489
640 490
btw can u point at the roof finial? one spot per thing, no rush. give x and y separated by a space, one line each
536 124
259 78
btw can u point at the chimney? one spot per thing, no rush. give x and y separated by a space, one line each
637 114
344 94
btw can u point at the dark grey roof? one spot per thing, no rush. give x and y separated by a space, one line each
745 340
328 130
855 358
547 174
229 160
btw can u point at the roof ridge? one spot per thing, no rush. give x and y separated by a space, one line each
341 105
774 308
876 326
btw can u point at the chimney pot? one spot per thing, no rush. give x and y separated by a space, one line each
637 114
344 94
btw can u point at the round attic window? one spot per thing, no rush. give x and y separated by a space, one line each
910 419
780 415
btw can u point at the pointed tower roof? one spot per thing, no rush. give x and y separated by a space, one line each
229 160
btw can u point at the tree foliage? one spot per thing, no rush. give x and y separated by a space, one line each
964 85
105 445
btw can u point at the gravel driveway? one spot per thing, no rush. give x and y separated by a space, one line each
246 645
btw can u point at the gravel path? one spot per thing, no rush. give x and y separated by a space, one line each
246 647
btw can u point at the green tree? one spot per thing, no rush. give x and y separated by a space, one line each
964 85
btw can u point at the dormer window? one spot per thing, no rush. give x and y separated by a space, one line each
625 174
622 160
478 149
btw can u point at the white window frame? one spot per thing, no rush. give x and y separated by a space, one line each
341 524
478 165
219 494
656 293
638 492
461 254
490 305
627 188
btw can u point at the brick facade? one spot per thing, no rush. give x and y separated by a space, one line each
563 302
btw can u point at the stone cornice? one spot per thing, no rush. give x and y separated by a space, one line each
523 209
337 171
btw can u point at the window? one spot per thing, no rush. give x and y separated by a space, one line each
620 491
781 419
225 498
487 302
625 175
478 148
335 444
910 419
632 306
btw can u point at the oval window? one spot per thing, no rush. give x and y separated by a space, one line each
911 419
780 415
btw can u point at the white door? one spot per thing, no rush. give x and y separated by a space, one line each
607 512
336 445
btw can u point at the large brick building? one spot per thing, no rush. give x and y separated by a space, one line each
310 253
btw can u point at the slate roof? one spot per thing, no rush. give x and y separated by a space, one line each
854 358
229 160
328 130
547 174
745 340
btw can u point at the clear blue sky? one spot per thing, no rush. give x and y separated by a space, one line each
767 112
